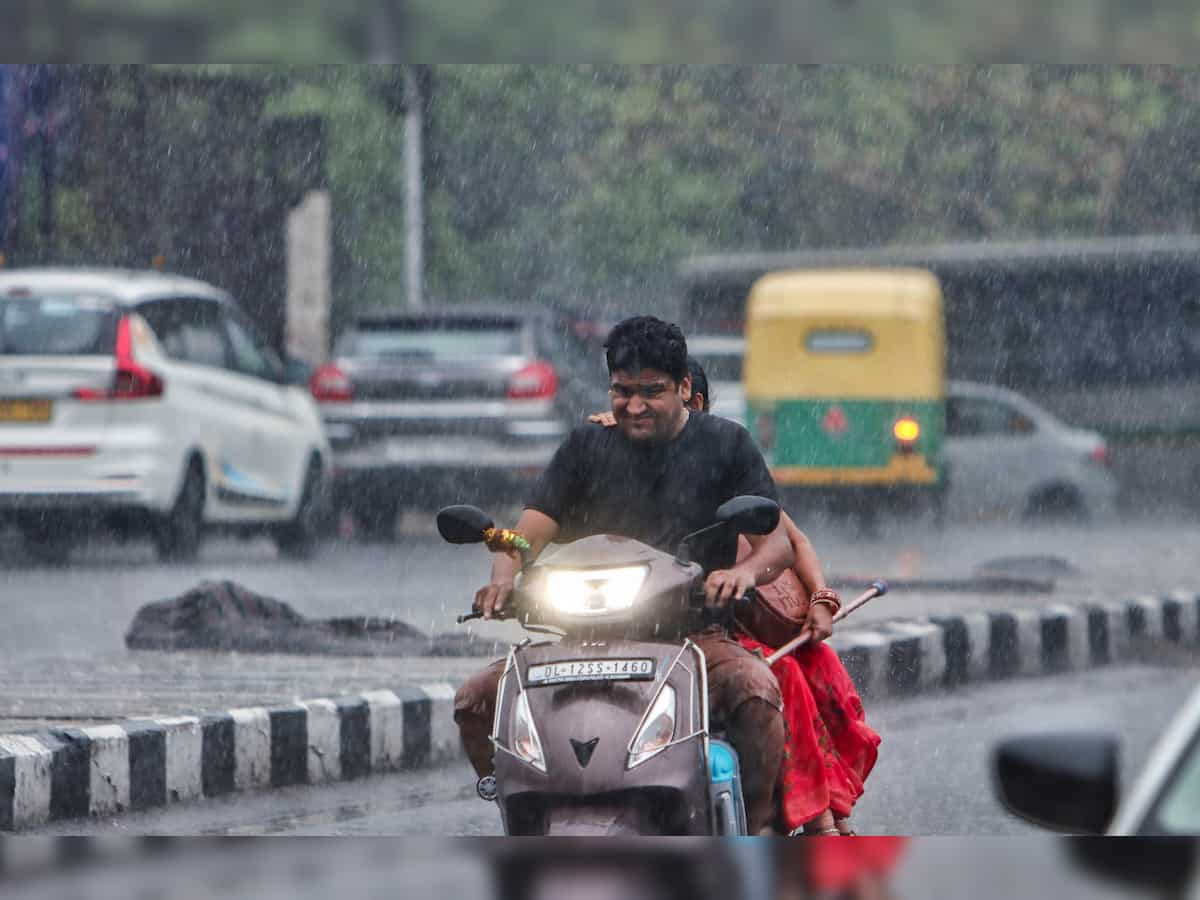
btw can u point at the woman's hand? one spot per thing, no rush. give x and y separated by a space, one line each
819 624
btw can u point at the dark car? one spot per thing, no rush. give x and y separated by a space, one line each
453 404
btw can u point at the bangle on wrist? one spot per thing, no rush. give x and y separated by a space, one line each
826 597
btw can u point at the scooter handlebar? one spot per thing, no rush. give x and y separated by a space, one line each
700 598
475 614
751 596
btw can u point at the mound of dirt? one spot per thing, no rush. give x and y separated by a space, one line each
1035 566
224 615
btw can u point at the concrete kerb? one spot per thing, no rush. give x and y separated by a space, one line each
137 765
106 770
1056 639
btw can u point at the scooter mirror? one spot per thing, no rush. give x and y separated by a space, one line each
463 524
749 514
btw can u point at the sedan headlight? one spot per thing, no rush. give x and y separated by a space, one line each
594 592
525 741
658 728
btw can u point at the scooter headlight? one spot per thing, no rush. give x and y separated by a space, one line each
594 592
525 741
657 730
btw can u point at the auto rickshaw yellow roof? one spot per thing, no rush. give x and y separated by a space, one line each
891 293
892 319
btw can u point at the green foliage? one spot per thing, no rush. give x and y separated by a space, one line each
589 182
303 31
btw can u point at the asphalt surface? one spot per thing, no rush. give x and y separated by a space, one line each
932 778
931 869
63 659
84 610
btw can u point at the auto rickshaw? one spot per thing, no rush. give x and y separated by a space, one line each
845 385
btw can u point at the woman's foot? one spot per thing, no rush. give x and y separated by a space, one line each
822 824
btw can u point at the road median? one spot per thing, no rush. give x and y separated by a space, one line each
133 764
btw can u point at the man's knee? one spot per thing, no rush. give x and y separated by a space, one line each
476 698
735 675
754 680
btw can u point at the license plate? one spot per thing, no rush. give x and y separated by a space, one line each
574 670
25 410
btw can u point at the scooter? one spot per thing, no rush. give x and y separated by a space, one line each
606 731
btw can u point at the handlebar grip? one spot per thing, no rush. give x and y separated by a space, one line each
751 596
700 598
496 617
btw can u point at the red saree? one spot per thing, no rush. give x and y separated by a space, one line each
830 750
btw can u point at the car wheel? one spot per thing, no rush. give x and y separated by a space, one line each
182 531
48 546
299 538
1058 504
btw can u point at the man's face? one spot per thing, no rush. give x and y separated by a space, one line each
648 404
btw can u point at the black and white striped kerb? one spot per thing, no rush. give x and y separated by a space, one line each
141 764
104 770
908 657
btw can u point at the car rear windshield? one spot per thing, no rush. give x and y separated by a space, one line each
434 339
721 367
720 355
56 325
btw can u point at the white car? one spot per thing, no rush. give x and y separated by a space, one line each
145 403
1006 456
1070 782
721 357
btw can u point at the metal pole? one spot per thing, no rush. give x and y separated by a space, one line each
414 218
878 589
5 149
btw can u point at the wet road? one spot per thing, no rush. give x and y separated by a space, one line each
932 777
84 610
933 869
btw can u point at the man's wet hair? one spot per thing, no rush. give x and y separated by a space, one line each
699 382
646 342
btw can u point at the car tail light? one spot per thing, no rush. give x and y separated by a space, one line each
329 384
131 381
906 431
536 381
1099 455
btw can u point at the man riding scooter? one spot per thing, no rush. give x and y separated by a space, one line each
656 478
831 749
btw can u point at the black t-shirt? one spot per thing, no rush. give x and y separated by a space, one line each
600 482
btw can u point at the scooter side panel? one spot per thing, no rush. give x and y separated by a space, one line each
610 714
